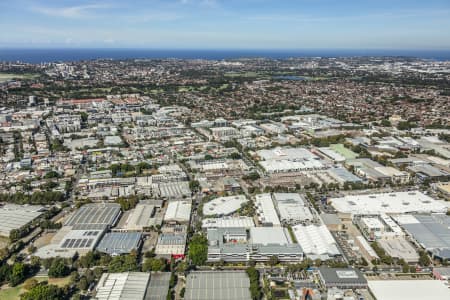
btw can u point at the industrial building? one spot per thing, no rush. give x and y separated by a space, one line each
409 289
265 210
14 216
292 208
171 244
316 241
224 206
282 160
432 232
95 214
142 217
387 203
256 243
223 285
133 285
178 212
228 222
342 278
117 243
82 231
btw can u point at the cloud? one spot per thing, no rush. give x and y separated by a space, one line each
78 11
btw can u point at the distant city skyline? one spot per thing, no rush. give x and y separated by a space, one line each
226 24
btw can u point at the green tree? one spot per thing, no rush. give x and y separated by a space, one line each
198 249
44 292
154 264
58 268
18 273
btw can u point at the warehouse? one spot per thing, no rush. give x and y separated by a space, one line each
257 243
431 232
224 206
117 243
223 285
16 216
178 212
171 244
409 289
267 214
159 286
292 208
343 278
174 190
316 241
82 231
400 248
142 217
97 214
228 222
130 285
388 203
282 160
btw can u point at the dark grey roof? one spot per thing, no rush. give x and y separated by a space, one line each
433 233
217 285
158 287
119 242
342 276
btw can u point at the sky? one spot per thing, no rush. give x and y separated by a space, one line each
226 24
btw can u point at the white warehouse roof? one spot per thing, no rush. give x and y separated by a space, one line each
316 241
117 286
266 210
388 203
223 206
179 211
228 222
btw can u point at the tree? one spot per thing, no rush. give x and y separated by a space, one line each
154 264
58 268
30 283
273 260
198 249
255 289
83 284
44 292
424 260
194 185
18 273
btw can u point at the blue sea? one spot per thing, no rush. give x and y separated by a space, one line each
65 55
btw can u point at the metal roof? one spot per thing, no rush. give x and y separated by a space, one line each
232 285
119 242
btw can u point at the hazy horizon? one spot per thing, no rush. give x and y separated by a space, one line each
220 24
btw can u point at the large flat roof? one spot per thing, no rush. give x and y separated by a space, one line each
389 203
223 285
130 285
102 213
224 205
266 210
15 216
119 242
159 286
179 211
316 241
291 207
431 231
409 289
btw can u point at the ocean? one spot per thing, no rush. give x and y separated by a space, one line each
65 55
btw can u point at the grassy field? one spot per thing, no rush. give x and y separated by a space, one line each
13 293
6 76
345 152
